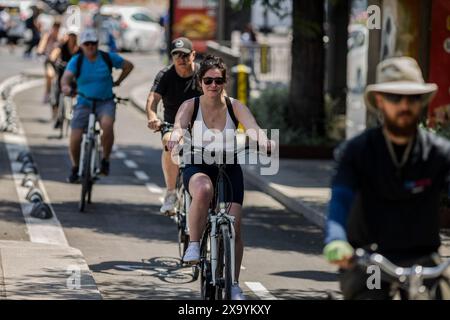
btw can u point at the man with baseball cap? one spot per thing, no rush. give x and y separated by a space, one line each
173 84
92 70
386 189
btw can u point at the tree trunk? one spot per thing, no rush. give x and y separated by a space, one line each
306 107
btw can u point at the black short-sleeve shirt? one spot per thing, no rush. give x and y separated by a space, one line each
396 209
174 90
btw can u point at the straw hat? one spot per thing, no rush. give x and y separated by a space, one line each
401 75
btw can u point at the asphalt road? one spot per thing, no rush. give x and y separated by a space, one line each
129 246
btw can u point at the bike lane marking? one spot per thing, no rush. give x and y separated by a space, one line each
130 164
154 188
120 155
260 291
141 175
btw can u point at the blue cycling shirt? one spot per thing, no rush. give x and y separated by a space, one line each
95 79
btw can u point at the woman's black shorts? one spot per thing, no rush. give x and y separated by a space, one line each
234 185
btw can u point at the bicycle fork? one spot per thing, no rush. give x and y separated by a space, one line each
89 135
216 222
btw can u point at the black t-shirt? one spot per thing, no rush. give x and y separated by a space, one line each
174 90
396 209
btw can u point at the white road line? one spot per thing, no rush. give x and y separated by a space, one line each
120 155
154 188
40 231
141 175
260 290
130 164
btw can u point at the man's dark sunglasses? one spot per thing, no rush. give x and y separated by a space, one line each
218 81
90 43
180 54
396 98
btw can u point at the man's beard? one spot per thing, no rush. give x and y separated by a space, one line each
402 131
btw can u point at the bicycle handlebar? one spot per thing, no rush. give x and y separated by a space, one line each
117 99
364 258
164 125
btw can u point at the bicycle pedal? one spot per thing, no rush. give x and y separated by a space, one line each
170 213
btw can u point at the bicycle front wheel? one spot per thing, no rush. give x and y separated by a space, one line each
86 180
223 272
206 289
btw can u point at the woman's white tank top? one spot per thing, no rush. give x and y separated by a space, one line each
214 139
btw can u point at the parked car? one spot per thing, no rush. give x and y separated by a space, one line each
139 28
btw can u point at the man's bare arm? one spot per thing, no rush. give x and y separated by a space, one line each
152 104
66 80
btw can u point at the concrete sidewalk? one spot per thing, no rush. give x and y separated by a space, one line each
41 271
302 186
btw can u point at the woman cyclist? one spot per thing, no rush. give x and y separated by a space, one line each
215 116
59 57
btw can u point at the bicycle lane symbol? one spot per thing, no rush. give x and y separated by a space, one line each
165 269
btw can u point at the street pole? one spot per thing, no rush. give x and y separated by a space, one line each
221 21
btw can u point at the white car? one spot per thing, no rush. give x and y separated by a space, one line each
140 30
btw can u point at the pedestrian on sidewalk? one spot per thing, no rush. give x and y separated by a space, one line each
386 190
173 85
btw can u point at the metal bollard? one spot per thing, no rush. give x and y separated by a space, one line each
28 167
22 155
35 195
41 210
29 180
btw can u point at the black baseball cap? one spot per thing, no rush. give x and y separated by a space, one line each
181 44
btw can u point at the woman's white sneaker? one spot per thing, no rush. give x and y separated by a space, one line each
192 254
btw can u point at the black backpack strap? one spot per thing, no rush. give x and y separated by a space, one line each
231 112
196 106
79 64
107 58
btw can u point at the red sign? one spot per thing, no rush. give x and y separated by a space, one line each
195 20
439 110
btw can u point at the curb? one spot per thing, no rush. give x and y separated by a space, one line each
135 101
294 205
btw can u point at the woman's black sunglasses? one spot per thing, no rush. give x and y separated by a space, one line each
396 98
218 81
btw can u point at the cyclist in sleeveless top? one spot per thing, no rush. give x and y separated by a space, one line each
212 125
59 57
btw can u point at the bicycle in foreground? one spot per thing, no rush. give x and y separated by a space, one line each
408 283
90 156
181 207
217 244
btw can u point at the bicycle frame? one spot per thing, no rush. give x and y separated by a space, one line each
217 218
92 134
